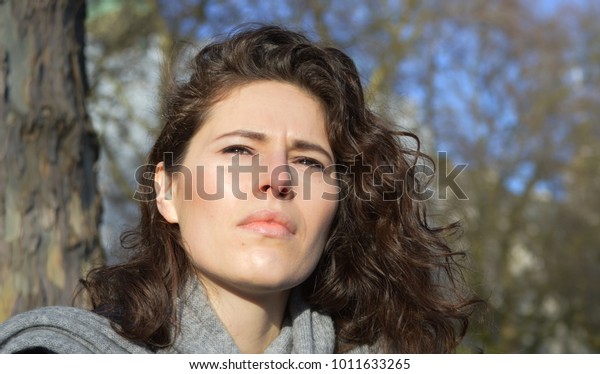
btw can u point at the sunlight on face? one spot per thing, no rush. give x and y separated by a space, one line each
256 221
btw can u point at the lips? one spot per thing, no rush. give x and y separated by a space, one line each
270 224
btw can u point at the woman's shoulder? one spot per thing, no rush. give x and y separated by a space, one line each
61 329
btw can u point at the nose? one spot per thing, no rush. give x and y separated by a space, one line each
280 179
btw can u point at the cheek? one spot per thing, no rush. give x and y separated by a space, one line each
319 214
217 182
323 216
201 212
315 186
203 228
209 182
321 191
196 219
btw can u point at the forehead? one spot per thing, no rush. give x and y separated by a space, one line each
268 107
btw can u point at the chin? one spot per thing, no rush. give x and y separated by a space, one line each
268 283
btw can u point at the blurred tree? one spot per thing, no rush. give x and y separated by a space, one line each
49 206
575 252
126 44
502 101
485 80
509 87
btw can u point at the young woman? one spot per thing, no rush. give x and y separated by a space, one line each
278 215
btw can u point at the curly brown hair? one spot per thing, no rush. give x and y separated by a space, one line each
386 277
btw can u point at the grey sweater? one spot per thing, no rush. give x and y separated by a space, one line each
73 330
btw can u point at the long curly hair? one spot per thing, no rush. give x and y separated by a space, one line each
387 278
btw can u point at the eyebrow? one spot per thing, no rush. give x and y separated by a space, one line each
261 137
245 134
308 146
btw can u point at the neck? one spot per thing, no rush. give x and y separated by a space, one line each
252 321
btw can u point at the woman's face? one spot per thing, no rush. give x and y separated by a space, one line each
252 199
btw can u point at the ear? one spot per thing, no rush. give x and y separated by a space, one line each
163 185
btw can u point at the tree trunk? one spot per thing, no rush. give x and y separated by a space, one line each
49 204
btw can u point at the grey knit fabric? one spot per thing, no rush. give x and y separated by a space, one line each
73 330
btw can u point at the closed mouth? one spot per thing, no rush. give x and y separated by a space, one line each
269 223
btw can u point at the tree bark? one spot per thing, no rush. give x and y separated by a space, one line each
49 203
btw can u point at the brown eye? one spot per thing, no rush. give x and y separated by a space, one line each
311 162
238 150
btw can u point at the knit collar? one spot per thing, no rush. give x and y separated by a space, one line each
201 331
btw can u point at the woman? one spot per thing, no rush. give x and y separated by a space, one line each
282 216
